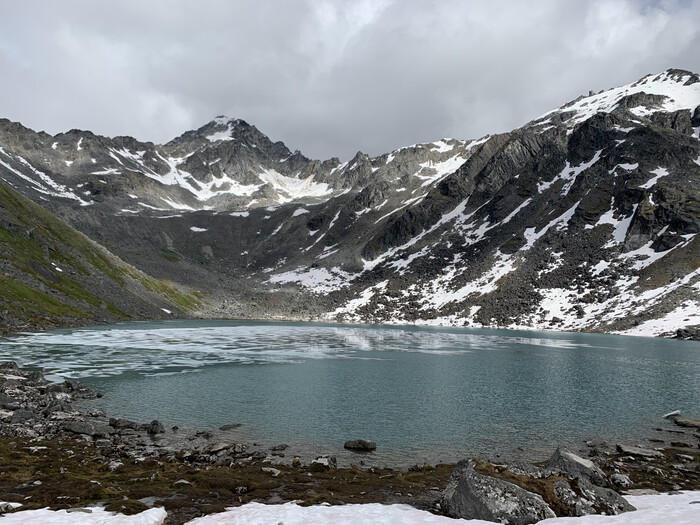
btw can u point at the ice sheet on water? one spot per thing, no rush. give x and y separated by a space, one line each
173 346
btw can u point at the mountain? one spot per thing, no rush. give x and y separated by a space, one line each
54 276
583 219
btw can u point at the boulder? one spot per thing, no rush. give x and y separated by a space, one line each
23 416
621 480
576 467
155 427
576 505
324 463
118 422
8 402
88 428
362 445
686 422
471 495
604 500
639 451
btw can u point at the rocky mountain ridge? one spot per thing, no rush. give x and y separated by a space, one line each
583 219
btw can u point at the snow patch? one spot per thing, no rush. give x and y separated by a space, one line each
659 172
319 280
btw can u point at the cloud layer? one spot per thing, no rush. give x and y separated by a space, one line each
328 77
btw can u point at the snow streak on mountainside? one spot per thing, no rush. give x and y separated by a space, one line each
584 219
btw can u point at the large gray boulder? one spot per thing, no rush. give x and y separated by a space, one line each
576 467
604 500
363 445
471 495
88 428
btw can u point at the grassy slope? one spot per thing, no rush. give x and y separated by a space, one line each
52 275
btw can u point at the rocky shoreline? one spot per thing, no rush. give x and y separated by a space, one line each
55 452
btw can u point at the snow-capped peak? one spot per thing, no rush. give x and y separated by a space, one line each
679 89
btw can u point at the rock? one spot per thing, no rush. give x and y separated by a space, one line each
215 448
8 402
240 490
621 480
576 505
471 495
686 422
363 445
603 499
275 472
180 482
58 389
324 463
280 447
118 422
8 507
576 467
639 451
23 416
155 427
230 426
238 448
88 428
296 462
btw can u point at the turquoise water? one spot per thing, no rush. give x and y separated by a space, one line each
422 393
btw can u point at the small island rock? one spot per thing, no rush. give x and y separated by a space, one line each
363 445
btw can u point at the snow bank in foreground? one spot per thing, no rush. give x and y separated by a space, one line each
292 514
679 509
651 510
97 516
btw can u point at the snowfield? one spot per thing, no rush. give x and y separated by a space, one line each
679 509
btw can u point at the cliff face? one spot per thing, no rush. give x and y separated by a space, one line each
584 219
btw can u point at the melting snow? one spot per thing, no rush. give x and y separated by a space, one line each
299 211
315 279
687 314
197 230
531 235
293 188
659 172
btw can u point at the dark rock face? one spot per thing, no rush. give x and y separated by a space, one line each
470 495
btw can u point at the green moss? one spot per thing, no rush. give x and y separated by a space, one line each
33 302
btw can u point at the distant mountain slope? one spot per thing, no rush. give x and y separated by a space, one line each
54 276
584 219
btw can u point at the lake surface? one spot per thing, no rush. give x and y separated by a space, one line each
423 394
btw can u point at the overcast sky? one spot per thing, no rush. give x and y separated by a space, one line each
327 77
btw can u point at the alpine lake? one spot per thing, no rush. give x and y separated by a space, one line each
423 394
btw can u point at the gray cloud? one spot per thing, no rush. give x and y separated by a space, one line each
327 77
